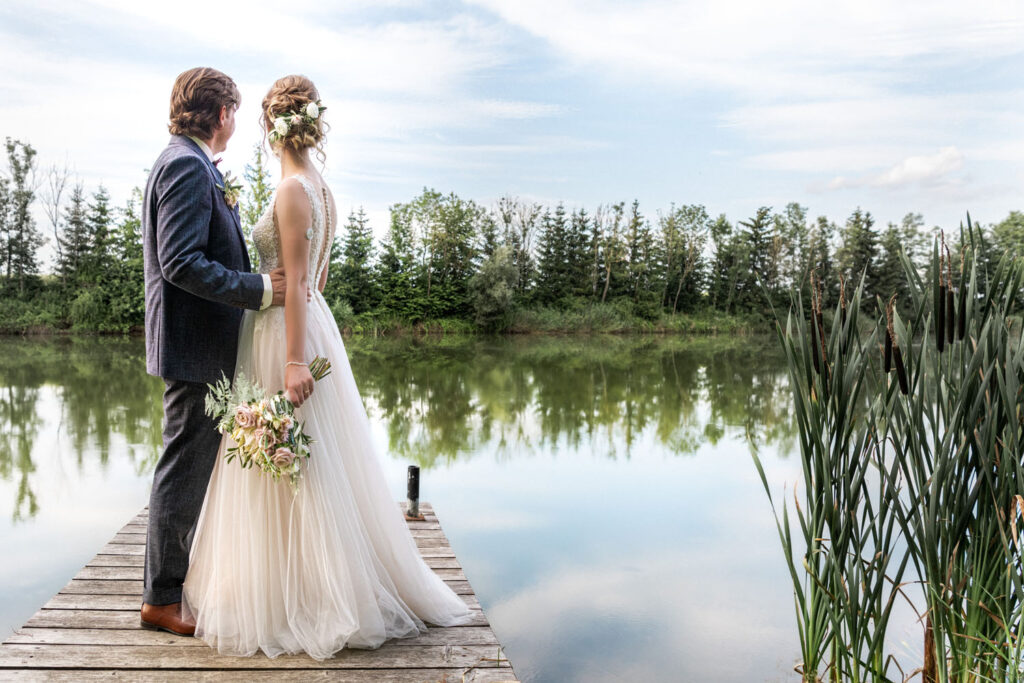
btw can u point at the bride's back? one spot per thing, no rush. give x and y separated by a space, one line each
267 238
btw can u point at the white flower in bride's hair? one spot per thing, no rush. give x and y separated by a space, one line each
312 111
281 126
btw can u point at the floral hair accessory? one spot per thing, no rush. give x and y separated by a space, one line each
284 123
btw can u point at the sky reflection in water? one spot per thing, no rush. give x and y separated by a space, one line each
599 492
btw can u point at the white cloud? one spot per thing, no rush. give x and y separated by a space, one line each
786 48
822 90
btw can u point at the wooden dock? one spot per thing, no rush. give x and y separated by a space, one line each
90 630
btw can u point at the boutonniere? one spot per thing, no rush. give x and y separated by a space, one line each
231 188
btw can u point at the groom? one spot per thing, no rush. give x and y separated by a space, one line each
197 283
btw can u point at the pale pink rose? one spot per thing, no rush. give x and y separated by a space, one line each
244 417
283 457
260 432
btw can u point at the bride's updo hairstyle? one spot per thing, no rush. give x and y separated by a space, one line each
291 97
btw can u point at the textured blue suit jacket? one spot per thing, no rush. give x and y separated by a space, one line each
196 266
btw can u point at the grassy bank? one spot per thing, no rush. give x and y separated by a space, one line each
42 316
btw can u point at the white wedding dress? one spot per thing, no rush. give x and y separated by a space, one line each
333 565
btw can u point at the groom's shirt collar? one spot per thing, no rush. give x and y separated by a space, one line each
203 146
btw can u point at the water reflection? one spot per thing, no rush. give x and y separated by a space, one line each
101 390
441 401
599 492
438 399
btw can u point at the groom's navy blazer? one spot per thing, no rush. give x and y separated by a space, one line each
197 268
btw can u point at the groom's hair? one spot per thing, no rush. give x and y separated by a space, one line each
196 99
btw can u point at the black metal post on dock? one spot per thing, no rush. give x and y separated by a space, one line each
413 494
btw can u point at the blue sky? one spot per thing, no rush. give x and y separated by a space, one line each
892 106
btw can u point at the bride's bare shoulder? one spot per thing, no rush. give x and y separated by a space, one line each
292 206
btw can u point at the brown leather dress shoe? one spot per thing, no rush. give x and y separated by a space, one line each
167 618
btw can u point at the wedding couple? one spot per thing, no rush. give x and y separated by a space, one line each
232 556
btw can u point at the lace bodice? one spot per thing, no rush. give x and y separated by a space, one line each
267 239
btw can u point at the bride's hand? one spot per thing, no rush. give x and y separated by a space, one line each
298 384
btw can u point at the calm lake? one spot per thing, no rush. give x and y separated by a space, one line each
599 492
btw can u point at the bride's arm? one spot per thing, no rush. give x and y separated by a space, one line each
294 216
323 278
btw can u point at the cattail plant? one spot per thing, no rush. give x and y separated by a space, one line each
841 547
934 460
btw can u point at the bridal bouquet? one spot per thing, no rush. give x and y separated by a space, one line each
264 428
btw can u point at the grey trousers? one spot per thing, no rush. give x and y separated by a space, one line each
179 485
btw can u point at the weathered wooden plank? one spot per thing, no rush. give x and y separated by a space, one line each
117 561
140 538
446 560
129 618
449 675
134 588
91 630
140 548
387 656
136 573
70 601
454 635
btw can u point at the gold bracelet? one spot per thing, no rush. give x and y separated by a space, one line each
296 362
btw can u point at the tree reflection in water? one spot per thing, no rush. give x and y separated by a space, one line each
97 388
439 399
445 400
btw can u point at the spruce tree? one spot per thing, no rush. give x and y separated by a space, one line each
858 253
75 240
357 283
98 223
890 277
397 269
255 199
23 238
552 258
761 259
579 265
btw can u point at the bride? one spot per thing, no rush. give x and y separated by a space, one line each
333 565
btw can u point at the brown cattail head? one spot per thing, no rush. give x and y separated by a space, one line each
939 308
901 370
889 334
950 316
962 320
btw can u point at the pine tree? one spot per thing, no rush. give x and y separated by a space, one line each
98 220
858 253
552 258
890 277
720 284
256 199
820 260
579 276
639 252
762 260
357 284
126 287
75 240
23 239
398 269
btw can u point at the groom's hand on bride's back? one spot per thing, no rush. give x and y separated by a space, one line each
280 286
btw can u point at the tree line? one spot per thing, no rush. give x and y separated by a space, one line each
448 260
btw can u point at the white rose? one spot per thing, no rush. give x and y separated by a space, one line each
312 110
281 126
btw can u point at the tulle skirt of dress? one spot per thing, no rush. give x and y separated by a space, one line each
332 566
